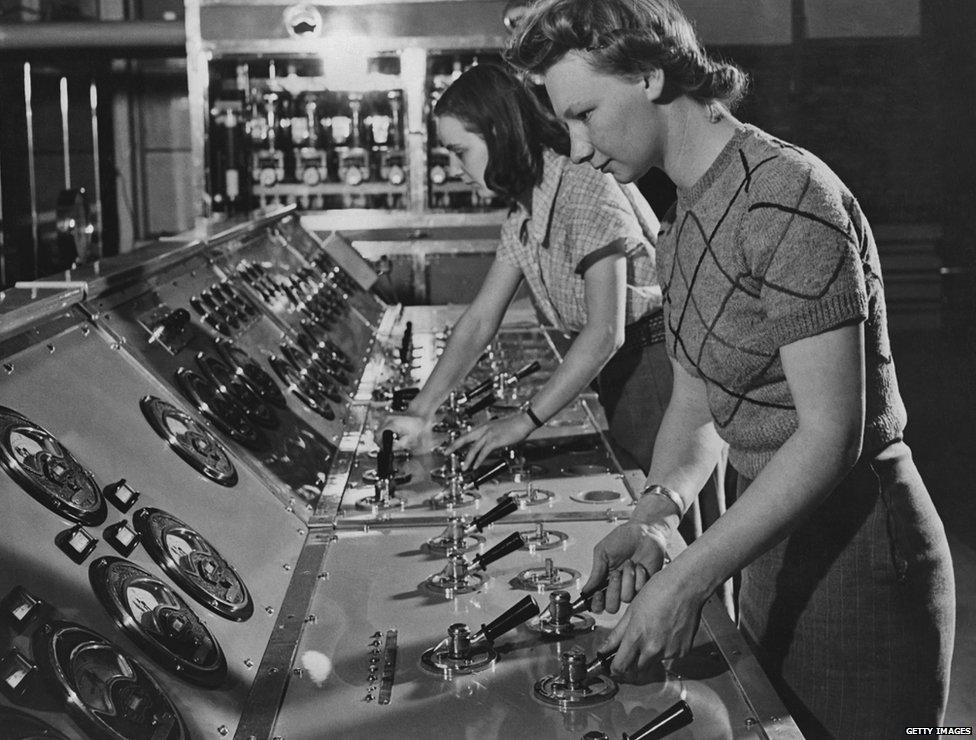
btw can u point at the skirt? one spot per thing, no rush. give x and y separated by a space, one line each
853 614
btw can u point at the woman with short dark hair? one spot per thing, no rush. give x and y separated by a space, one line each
776 328
584 245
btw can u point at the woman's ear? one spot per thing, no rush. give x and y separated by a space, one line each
653 84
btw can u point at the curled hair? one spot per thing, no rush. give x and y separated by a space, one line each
629 38
496 105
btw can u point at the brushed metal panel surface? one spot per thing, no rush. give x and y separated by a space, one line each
293 470
87 394
372 587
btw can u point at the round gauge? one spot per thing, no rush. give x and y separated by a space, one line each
149 611
305 389
19 725
322 381
47 471
323 342
226 413
193 564
239 388
243 365
190 440
106 691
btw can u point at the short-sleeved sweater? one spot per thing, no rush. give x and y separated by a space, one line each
767 248
578 216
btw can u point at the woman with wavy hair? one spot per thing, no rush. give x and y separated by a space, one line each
584 245
776 329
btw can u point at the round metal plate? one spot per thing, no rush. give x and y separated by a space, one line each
44 468
438 661
190 440
579 624
541 538
369 504
326 383
553 691
104 689
440 585
226 413
525 498
443 501
243 365
442 545
372 475
21 726
596 497
193 564
545 578
157 619
239 388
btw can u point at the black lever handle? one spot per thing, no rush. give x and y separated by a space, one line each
406 344
490 473
527 370
484 402
508 545
602 661
384 460
503 509
510 619
583 602
402 398
484 385
673 718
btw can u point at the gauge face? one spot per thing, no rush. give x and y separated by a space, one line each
241 363
34 458
105 690
236 385
190 440
158 619
194 564
19 725
227 414
305 389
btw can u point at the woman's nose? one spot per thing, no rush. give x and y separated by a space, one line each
580 149
454 168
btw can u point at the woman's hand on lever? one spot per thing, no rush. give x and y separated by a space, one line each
487 437
627 558
660 622
410 429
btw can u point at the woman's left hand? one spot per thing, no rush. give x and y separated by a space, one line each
660 623
496 433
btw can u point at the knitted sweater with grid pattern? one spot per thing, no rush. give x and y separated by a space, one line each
767 248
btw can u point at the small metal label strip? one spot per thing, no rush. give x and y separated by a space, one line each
367 525
389 667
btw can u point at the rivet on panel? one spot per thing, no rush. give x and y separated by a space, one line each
248 663
300 531
269 609
50 349
8 368
222 730
286 566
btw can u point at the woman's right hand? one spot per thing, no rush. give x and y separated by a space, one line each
408 428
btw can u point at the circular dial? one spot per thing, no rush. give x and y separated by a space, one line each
158 619
44 468
193 564
305 389
19 725
105 690
243 365
190 440
223 410
238 387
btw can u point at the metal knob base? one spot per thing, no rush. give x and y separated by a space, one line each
455 579
454 501
541 538
443 544
578 624
545 578
531 496
438 661
574 687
